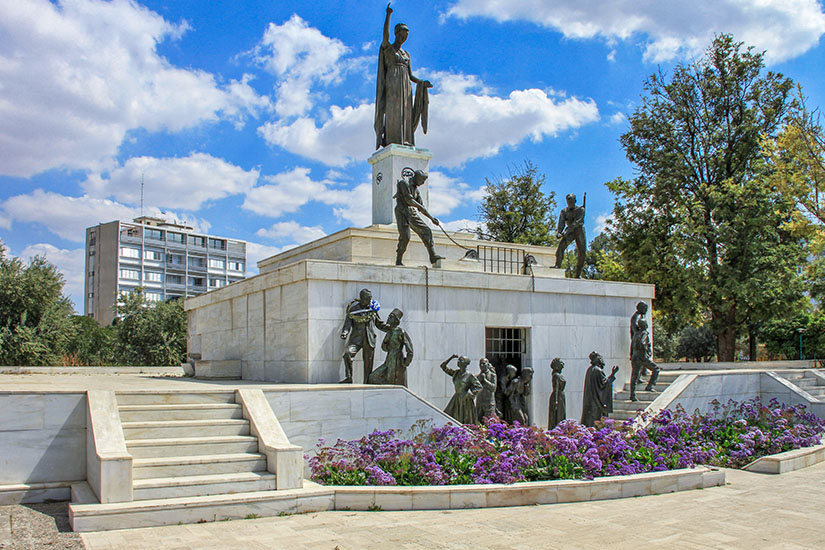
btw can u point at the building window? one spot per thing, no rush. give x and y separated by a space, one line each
153 296
133 274
174 279
197 241
220 244
175 237
216 283
196 281
129 252
505 346
152 255
217 263
197 262
174 259
153 276
235 266
92 238
91 253
155 234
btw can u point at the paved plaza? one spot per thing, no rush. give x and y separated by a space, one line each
753 511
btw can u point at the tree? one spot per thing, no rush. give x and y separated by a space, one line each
797 159
35 320
149 333
781 336
696 343
90 344
701 221
516 210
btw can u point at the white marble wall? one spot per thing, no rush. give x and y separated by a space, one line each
721 387
42 437
346 412
286 328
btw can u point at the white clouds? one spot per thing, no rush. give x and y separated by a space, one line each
256 252
300 56
480 124
77 75
446 193
293 232
602 221
71 264
464 225
345 136
184 183
673 28
68 217
617 118
285 193
352 205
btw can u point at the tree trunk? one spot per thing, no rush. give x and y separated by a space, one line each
726 337
752 351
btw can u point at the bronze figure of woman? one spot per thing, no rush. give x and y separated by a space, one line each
558 402
396 114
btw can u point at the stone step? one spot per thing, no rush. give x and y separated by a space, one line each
184 428
628 406
184 446
180 466
194 486
807 382
172 511
641 395
151 397
193 411
622 415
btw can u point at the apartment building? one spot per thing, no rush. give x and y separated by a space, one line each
169 260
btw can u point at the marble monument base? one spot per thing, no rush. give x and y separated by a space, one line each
387 165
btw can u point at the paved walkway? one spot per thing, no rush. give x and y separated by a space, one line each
753 511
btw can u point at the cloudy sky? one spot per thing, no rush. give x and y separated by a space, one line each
253 120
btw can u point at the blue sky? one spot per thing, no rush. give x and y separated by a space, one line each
253 120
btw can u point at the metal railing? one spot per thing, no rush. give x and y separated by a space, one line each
500 259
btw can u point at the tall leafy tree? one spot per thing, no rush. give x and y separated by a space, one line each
35 316
701 221
148 333
516 210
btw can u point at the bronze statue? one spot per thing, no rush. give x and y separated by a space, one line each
396 114
571 228
407 206
518 398
359 326
558 402
486 402
640 359
598 391
640 313
462 406
506 387
399 350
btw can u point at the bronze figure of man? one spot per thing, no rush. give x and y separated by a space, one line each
359 331
571 228
408 204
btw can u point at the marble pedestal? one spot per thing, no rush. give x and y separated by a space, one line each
387 165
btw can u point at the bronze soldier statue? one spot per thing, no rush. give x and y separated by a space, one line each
359 327
640 359
407 206
571 228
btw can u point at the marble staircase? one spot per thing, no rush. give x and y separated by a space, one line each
810 381
624 408
194 459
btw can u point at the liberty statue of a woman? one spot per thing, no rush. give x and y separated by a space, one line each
396 114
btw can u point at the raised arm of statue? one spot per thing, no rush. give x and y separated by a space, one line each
448 371
386 40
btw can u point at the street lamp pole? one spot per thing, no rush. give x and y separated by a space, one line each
800 331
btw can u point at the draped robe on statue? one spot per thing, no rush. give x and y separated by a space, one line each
598 395
396 115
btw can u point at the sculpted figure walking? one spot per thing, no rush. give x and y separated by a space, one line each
407 206
639 314
598 391
486 402
571 228
396 114
462 406
640 359
558 402
399 350
359 331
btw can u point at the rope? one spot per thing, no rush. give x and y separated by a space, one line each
467 251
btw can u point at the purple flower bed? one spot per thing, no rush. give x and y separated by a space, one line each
496 452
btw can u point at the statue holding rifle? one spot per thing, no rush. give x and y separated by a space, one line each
571 228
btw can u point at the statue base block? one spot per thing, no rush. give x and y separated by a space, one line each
387 165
